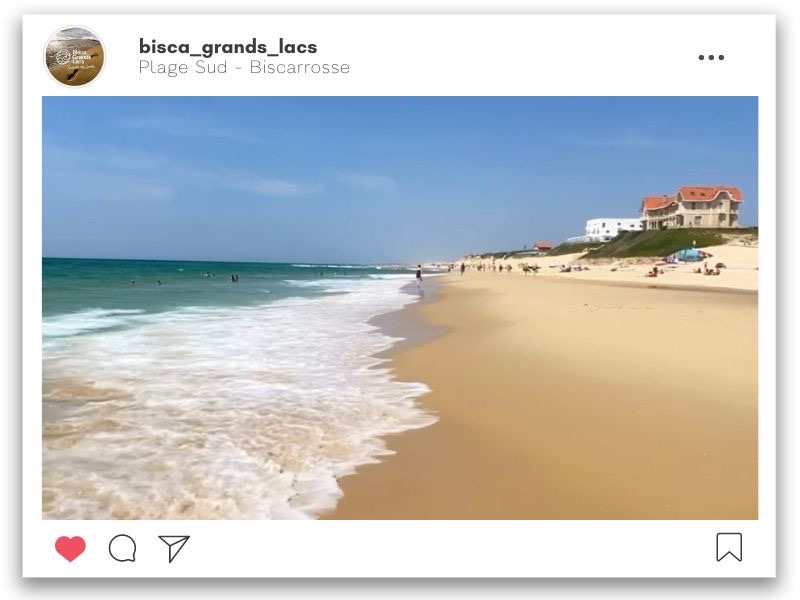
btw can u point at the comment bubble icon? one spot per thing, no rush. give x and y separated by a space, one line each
122 548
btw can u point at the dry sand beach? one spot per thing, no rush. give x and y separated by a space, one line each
741 272
562 399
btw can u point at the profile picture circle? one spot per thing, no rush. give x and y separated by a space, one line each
74 56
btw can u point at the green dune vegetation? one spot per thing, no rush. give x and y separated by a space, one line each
574 248
632 244
665 242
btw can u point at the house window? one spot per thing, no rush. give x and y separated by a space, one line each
698 220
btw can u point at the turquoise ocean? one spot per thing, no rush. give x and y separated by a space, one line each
206 398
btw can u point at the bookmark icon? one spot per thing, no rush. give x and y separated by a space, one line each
729 544
175 543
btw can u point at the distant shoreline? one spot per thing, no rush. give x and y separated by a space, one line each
739 273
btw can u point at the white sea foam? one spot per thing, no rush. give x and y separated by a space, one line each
308 283
87 320
396 276
335 266
221 413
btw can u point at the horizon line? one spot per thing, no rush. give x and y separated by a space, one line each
254 262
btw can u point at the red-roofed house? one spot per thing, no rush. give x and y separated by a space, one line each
693 206
543 246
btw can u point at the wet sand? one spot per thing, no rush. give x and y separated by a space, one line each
566 400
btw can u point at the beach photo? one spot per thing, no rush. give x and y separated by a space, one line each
398 307
74 56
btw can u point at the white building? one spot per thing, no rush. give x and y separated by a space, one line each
604 229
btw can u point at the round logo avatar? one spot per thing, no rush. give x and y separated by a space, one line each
74 56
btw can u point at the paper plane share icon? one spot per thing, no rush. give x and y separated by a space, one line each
175 543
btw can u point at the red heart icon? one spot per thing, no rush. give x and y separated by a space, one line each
70 548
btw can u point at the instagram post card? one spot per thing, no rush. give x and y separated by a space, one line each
398 296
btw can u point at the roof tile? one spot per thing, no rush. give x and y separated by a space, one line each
707 193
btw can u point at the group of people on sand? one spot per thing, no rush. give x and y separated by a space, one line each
654 272
706 271
571 268
494 268
525 268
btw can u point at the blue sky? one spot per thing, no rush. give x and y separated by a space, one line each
371 179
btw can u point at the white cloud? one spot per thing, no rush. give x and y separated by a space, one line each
103 156
369 183
241 181
191 128
276 187
120 173
629 140
131 190
625 140
106 187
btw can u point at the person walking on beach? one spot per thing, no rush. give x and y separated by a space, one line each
419 276
463 267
